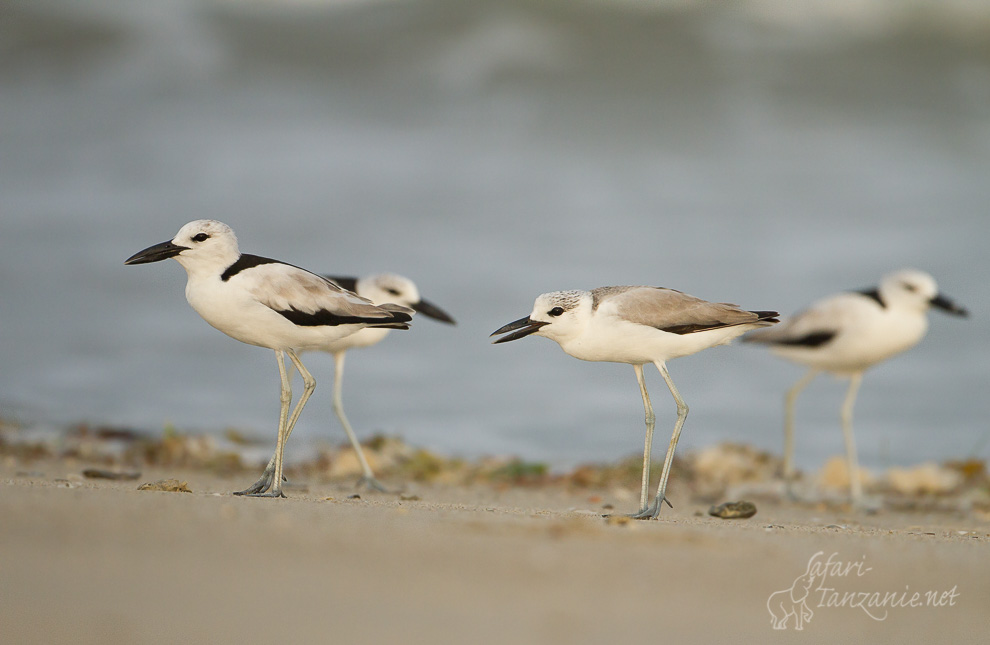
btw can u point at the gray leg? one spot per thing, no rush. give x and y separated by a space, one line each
650 423
789 402
309 384
856 486
653 511
270 483
367 477
271 478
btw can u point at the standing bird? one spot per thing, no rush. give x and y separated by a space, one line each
378 288
846 334
637 325
270 304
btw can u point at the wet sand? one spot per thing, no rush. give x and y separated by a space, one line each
97 561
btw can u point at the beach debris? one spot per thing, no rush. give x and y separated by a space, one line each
731 463
972 470
238 438
344 463
733 510
835 475
924 479
102 473
519 472
167 485
354 496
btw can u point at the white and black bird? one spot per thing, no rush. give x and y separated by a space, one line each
846 334
271 304
379 288
637 325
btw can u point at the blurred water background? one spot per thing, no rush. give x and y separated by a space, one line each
757 152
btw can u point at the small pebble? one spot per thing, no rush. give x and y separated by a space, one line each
99 473
733 510
167 485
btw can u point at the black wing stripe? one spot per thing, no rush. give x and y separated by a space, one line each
246 261
873 293
814 339
769 316
325 318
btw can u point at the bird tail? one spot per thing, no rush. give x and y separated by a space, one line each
767 316
401 316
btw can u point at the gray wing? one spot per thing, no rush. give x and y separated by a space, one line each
819 323
672 311
347 282
308 299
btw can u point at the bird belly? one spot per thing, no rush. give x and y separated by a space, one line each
362 338
638 344
855 349
242 318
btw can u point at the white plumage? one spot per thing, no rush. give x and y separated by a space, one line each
637 325
848 333
270 304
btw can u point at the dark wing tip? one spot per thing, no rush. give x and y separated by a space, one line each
769 316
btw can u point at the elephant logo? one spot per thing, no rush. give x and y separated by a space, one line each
793 602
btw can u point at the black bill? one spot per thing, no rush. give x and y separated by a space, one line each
156 253
433 311
521 328
948 306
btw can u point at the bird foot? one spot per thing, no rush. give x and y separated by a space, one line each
271 493
260 486
372 484
652 511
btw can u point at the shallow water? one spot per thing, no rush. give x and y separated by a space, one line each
491 152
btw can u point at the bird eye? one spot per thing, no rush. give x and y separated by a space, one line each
394 292
200 237
909 286
556 311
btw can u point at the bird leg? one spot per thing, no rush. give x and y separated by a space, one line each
653 511
856 486
270 483
789 402
651 419
367 477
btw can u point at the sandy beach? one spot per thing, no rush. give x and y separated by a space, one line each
754 152
87 560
